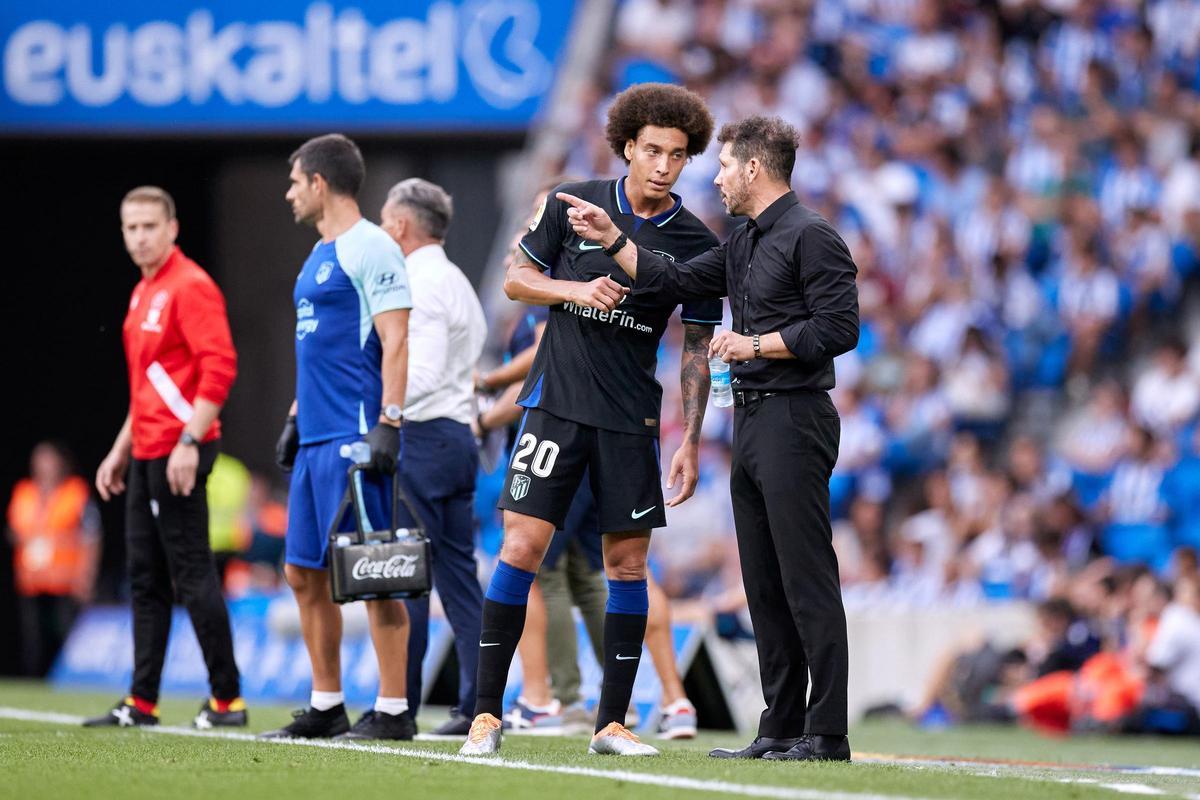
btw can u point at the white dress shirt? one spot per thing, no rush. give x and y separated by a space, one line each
446 333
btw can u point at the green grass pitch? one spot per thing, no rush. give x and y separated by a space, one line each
49 759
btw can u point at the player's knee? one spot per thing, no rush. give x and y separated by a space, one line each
521 552
305 584
627 568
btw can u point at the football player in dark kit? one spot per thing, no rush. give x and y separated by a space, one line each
592 402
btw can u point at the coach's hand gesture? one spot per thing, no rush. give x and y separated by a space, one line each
590 221
603 293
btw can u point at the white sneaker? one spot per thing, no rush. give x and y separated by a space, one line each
527 718
678 720
617 740
484 738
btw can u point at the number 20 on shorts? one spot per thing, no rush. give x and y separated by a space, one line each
544 455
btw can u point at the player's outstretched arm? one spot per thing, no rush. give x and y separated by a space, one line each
592 222
702 277
526 283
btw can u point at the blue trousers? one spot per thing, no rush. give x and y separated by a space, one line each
438 463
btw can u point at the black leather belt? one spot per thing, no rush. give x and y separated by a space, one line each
748 397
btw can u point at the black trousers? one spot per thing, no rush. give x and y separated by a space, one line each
167 544
46 620
784 448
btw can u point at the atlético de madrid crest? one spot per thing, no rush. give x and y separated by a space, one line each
519 488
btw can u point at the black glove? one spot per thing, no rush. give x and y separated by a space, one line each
384 440
288 445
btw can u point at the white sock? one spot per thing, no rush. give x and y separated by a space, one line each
391 705
323 701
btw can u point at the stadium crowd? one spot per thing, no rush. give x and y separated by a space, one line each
1019 183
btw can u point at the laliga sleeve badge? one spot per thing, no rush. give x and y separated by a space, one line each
537 218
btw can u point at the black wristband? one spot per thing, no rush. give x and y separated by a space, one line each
616 246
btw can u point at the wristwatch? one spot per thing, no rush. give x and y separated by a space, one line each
393 412
757 348
188 439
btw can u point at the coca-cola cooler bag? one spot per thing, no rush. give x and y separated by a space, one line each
371 565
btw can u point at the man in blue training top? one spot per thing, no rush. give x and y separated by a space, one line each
352 305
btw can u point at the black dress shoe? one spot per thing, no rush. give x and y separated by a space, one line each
814 747
758 748
378 725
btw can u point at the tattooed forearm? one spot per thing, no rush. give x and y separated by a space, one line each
694 378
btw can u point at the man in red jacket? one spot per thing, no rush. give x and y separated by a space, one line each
181 365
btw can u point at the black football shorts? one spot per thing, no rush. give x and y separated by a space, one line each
549 460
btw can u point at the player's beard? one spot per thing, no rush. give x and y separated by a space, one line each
737 196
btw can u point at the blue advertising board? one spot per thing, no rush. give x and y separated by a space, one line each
273 65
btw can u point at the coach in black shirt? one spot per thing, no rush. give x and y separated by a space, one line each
791 285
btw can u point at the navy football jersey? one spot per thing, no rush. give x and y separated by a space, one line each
597 367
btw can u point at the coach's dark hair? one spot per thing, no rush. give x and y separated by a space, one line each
662 105
151 194
769 139
336 159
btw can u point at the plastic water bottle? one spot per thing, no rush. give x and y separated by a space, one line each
722 392
358 452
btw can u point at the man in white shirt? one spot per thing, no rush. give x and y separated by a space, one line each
439 457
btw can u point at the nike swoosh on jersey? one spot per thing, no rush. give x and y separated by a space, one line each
586 245
489 644
640 514
626 658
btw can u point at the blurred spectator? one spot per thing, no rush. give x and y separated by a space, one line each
919 418
257 567
1064 640
1093 440
1135 504
1005 556
1089 303
859 451
1167 395
228 492
976 387
55 530
1174 651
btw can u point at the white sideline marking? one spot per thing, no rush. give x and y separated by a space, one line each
644 778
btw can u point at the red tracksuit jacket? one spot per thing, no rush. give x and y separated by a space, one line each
178 348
